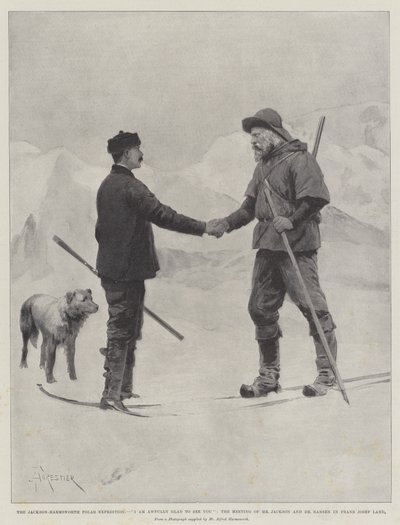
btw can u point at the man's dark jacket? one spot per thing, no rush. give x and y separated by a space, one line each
125 210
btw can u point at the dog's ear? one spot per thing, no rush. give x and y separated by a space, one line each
69 296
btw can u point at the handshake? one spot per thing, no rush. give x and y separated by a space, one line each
217 227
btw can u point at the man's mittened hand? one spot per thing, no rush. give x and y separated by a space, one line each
282 224
217 227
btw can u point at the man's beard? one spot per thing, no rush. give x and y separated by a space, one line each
260 153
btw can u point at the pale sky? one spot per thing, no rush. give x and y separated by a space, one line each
183 79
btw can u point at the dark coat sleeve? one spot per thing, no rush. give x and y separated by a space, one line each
146 204
305 208
243 215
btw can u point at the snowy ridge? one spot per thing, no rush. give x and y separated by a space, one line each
56 190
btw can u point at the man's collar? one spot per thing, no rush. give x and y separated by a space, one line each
292 145
121 169
275 151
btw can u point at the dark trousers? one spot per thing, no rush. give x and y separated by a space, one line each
125 309
274 276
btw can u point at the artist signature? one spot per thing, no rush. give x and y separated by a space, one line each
41 476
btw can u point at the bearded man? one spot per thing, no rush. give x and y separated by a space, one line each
296 185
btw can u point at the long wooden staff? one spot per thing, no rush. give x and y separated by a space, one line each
154 316
318 326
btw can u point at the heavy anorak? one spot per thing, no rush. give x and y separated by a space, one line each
293 175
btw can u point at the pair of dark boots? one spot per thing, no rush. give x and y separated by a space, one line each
268 379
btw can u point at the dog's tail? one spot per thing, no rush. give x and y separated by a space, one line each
28 329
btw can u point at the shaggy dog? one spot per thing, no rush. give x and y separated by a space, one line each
59 321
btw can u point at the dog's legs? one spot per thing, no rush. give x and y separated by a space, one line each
42 363
25 339
70 351
28 330
50 359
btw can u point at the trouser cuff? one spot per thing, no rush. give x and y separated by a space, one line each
269 331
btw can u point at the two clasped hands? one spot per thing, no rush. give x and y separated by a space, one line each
217 227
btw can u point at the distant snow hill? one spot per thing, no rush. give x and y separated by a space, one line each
54 193
353 155
349 126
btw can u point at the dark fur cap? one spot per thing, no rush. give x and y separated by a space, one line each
124 140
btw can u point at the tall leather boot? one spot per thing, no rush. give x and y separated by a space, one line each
127 381
325 378
267 381
114 365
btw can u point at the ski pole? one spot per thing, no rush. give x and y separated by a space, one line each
310 305
154 316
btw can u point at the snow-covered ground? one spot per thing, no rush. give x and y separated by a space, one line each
197 446
202 442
